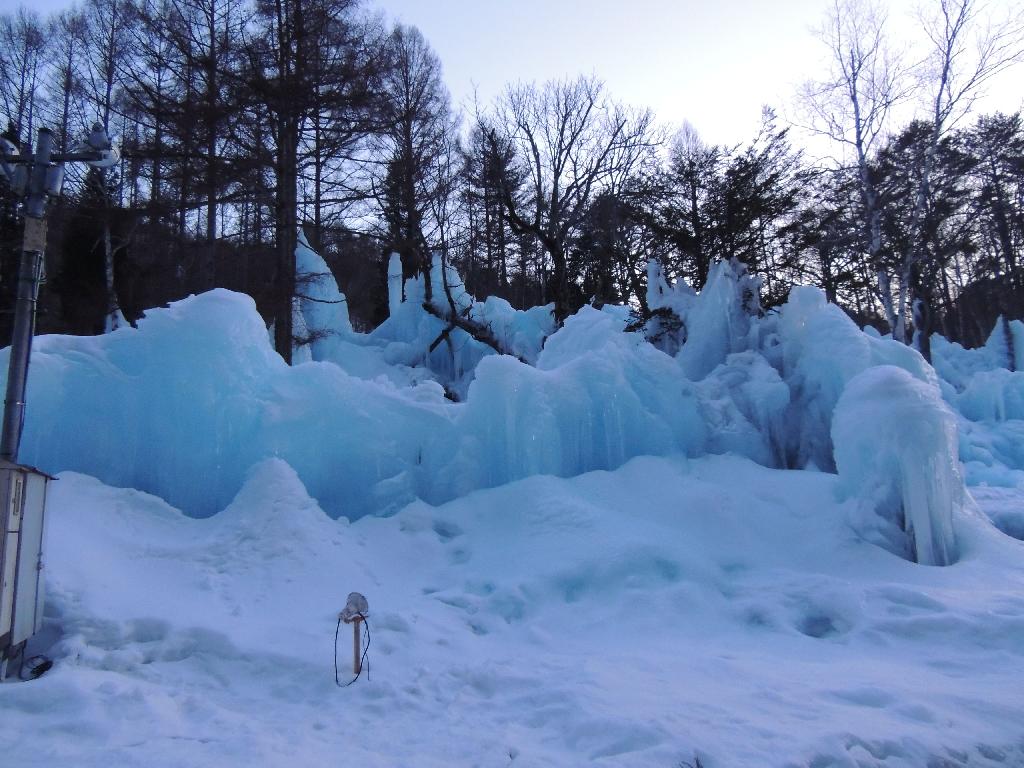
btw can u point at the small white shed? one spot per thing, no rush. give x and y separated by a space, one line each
23 518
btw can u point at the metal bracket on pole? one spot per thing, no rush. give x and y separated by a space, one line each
35 235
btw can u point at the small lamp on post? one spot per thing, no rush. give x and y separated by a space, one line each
36 177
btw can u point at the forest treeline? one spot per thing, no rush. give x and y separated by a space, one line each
241 121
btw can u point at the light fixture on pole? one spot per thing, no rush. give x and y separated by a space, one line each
34 177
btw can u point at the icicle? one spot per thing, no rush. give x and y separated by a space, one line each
395 297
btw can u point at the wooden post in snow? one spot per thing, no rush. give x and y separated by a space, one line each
356 646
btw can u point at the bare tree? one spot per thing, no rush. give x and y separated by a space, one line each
66 32
103 53
968 46
852 106
571 143
21 60
415 174
304 58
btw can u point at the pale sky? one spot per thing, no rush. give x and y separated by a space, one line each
711 62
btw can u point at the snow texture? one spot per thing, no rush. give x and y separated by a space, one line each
670 609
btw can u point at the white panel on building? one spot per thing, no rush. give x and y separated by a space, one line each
22 524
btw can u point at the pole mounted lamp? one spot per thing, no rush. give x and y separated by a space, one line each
34 177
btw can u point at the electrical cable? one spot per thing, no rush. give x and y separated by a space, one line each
336 631
364 661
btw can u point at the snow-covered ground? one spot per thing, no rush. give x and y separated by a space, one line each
606 554
668 609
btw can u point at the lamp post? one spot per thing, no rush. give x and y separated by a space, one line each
36 177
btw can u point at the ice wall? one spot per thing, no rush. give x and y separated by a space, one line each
409 332
745 404
184 405
896 448
322 304
668 305
520 333
989 399
818 350
410 329
719 320
395 297
1006 344
996 395
596 398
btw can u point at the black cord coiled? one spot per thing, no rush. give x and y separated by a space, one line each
364 661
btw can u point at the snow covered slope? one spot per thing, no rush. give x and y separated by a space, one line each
672 608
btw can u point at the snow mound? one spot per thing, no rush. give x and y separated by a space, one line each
272 512
669 609
896 446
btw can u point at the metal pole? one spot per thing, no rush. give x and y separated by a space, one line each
29 276
356 666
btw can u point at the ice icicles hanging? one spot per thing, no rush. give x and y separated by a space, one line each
896 447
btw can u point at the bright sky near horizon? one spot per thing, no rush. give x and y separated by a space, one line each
713 64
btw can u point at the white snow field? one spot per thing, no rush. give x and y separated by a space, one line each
748 543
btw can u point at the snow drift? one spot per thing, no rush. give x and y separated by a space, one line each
669 609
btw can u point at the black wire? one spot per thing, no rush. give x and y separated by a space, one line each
364 662
336 631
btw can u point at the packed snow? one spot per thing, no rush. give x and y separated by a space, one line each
716 535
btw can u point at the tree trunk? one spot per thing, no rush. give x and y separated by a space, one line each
899 331
112 320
